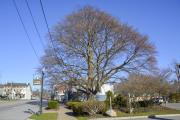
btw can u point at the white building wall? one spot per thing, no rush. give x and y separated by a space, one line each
28 94
26 90
101 96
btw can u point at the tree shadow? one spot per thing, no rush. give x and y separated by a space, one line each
70 113
158 118
44 103
30 111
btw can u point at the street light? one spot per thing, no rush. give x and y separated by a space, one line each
42 79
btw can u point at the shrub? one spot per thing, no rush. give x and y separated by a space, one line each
145 103
94 107
90 107
53 104
119 101
71 104
174 97
77 108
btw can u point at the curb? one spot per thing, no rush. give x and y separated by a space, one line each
133 117
168 115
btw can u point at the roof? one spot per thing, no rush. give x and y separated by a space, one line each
16 84
1 86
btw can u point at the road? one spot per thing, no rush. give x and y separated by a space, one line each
158 118
18 110
172 105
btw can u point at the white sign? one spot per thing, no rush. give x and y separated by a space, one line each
37 82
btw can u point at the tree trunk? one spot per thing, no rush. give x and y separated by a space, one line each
90 64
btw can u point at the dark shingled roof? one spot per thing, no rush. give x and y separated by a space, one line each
1 86
16 84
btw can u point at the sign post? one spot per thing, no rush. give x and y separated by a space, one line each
39 81
41 92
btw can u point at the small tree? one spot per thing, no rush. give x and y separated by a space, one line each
145 86
120 101
109 95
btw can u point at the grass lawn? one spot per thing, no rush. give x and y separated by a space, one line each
86 117
82 118
155 110
45 116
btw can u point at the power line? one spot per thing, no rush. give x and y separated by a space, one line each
26 32
51 39
35 25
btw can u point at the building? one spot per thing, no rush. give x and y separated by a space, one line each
16 90
1 89
101 96
65 92
60 91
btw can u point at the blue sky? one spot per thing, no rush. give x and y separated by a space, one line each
159 19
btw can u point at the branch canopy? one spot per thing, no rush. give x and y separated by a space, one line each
93 47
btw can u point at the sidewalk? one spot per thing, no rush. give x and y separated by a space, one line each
65 114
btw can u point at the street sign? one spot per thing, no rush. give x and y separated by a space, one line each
36 81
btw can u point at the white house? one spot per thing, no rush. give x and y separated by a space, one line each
17 90
101 96
62 89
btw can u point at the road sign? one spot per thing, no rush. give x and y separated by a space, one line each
37 82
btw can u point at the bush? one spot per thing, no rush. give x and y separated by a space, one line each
119 101
145 103
71 104
52 104
78 108
90 107
174 97
93 107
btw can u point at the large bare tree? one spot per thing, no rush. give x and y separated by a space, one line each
90 47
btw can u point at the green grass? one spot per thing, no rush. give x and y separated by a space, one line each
86 117
155 110
82 118
45 116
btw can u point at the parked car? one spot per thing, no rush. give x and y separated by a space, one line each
159 100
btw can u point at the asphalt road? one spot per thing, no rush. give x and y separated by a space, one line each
158 118
18 110
172 105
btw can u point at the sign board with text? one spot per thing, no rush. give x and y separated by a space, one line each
36 81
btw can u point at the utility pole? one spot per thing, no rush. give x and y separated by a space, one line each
11 91
41 100
178 75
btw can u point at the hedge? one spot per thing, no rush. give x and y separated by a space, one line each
174 97
90 107
52 104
